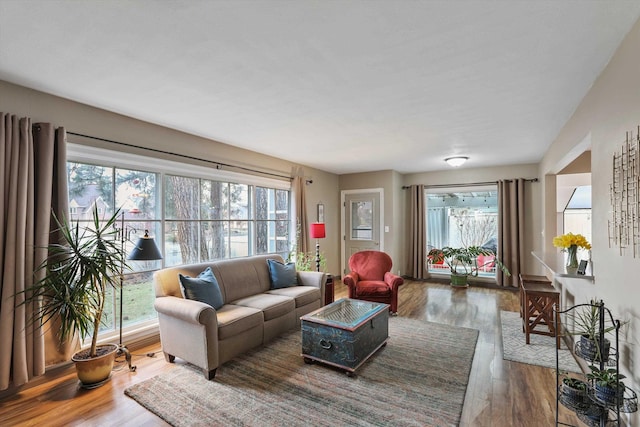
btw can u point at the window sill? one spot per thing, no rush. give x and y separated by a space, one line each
555 262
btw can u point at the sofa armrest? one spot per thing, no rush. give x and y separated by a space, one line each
312 278
190 311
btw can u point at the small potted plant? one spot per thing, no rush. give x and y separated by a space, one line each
609 389
593 346
77 274
573 394
463 262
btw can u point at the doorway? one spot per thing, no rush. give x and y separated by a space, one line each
362 219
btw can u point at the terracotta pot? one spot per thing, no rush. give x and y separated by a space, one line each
92 372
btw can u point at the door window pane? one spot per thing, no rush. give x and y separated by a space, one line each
361 220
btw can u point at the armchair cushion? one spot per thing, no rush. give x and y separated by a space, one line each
372 288
282 275
203 288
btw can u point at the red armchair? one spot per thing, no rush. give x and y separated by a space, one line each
371 278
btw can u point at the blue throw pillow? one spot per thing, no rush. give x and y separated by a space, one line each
203 288
282 275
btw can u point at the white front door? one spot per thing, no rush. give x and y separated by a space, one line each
362 221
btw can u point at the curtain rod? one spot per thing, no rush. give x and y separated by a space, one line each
470 184
218 164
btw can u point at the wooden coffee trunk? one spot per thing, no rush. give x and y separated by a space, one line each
346 346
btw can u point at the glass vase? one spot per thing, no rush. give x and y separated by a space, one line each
572 257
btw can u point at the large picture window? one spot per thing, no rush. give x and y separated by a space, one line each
192 218
462 219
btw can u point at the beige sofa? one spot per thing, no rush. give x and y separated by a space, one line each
252 315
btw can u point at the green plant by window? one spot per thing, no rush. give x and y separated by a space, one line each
78 272
464 261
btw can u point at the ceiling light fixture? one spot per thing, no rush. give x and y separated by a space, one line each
456 161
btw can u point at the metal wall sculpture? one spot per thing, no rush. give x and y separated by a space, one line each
624 226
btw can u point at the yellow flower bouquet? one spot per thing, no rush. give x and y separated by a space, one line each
569 242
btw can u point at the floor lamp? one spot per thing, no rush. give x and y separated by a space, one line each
317 231
144 250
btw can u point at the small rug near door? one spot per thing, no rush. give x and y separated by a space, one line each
541 351
418 379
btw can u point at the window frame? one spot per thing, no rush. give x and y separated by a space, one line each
80 153
457 189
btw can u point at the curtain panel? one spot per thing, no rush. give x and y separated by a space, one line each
511 229
32 183
300 211
417 233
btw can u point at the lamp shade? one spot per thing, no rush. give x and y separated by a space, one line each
145 249
317 230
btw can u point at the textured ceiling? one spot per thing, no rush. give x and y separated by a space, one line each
343 86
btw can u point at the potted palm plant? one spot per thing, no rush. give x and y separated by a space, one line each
78 271
463 262
593 346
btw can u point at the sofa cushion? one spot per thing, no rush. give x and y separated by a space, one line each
282 275
302 295
235 319
203 288
272 306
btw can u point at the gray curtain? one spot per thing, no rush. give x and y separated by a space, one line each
511 229
32 183
298 187
417 235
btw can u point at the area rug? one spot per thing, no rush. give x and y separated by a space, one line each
418 379
541 351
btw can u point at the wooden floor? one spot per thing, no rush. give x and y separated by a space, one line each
500 393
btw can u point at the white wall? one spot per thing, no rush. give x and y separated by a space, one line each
611 108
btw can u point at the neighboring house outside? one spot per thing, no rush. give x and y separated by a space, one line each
81 206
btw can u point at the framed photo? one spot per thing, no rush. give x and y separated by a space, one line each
582 268
320 212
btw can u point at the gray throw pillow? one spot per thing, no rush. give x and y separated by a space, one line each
203 288
282 275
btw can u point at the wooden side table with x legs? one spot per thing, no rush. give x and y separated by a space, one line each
538 298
